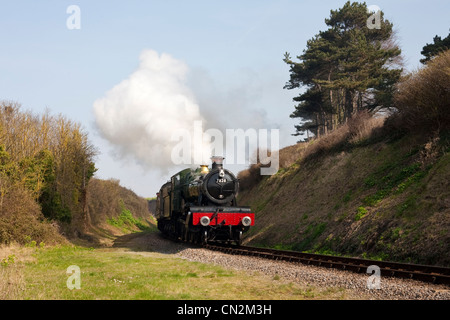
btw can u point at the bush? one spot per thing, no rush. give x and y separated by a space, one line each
423 97
21 220
362 126
359 128
49 161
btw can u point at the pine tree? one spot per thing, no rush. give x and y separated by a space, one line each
347 68
430 50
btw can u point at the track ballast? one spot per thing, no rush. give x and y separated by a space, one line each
426 273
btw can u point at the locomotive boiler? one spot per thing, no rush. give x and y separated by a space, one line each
200 206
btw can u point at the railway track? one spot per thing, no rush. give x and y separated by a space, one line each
432 274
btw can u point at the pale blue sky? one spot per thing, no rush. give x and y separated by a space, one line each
234 44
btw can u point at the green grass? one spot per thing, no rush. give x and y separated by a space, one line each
126 222
118 274
392 177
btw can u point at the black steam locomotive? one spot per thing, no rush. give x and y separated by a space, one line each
200 206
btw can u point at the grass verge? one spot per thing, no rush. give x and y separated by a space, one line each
40 273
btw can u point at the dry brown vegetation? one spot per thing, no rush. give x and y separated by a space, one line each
46 164
375 187
423 98
384 200
357 130
21 220
107 200
12 276
286 157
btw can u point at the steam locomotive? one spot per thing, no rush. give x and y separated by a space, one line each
200 206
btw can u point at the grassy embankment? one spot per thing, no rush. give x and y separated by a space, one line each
384 200
374 187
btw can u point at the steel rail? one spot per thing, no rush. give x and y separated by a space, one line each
426 273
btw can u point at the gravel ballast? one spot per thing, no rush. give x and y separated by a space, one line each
355 284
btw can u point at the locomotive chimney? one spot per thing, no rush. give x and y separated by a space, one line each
217 162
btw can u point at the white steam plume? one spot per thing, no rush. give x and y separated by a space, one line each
163 98
139 114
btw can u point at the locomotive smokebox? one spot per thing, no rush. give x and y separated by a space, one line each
217 162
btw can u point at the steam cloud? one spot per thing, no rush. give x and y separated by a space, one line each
139 115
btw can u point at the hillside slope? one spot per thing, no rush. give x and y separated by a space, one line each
388 199
112 210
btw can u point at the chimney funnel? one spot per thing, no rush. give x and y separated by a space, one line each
217 162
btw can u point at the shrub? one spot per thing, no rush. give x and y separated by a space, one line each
423 96
21 220
359 128
45 164
324 144
362 125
